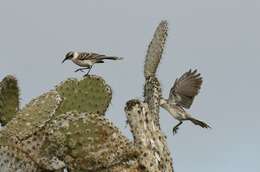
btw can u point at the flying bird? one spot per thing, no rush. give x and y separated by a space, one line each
181 96
87 60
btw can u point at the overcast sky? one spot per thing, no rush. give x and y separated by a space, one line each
221 38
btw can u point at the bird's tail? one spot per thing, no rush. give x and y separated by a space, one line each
112 58
198 122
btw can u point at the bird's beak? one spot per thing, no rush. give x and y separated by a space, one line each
64 59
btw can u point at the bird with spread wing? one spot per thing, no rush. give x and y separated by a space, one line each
181 96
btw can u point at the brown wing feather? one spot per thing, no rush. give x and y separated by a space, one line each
89 56
185 89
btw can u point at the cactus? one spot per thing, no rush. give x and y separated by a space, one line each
13 160
9 99
143 117
71 116
155 49
152 88
90 94
34 115
89 142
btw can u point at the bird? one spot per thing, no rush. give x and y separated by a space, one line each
87 59
181 97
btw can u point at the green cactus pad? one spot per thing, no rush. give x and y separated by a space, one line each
89 141
90 94
34 115
9 99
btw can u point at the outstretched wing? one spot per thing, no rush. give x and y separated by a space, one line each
185 89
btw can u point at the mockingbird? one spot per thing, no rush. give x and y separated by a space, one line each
87 60
181 96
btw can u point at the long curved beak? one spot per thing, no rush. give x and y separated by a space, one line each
64 59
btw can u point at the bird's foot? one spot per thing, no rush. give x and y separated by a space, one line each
86 75
174 130
89 69
80 69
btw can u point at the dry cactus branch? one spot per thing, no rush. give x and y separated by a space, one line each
143 117
155 155
152 88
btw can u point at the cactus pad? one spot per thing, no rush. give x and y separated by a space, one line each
9 99
155 49
89 141
90 94
34 115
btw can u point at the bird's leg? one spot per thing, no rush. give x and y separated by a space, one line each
88 71
81 69
174 130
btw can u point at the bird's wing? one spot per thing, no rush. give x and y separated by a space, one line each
89 56
185 89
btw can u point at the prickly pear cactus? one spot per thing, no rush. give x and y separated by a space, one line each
9 99
91 94
34 115
67 126
152 88
156 156
155 49
89 142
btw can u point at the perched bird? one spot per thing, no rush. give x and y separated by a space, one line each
87 60
181 96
